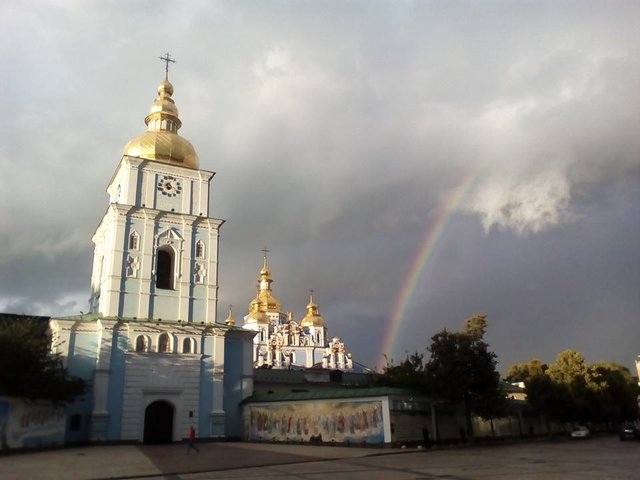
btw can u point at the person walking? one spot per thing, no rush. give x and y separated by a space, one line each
425 437
191 445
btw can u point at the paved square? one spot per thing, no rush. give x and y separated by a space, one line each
597 458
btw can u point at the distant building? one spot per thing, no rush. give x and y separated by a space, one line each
281 342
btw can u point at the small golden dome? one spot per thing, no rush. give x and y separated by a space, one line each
229 320
161 141
255 316
268 301
312 318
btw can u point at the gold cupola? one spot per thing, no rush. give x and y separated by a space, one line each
161 141
255 316
312 318
230 320
268 301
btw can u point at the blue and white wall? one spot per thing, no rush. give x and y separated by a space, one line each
203 371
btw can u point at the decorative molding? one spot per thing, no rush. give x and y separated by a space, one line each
133 266
200 273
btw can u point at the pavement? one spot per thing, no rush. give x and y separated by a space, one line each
164 461
597 458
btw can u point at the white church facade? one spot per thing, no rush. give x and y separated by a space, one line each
151 349
283 343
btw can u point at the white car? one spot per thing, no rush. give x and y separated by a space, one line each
580 432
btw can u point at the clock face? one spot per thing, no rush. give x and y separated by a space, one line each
169 186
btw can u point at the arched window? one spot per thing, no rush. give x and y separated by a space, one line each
186 345
164 268
200 251
164 343
134 241
141 344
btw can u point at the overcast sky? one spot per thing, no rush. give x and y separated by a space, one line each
338 130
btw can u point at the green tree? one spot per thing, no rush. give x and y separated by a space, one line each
569 390
570 369
407 374
524 372
615 393
475 326
28 369
545 397
461 369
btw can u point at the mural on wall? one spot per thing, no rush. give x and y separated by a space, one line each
318 421
30 424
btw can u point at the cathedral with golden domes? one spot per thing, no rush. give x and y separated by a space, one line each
283 343
151 348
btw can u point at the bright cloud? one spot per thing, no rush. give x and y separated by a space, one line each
529 205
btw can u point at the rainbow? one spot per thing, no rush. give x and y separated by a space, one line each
433 234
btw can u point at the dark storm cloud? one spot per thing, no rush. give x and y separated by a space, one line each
336 130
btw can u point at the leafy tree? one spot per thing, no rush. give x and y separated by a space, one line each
475 326
460 369
570 369
524 372
570 390
408 374
550 399
615 394
28 369
463 369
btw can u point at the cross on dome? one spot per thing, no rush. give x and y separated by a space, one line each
167 60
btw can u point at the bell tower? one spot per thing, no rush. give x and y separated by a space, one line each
156 247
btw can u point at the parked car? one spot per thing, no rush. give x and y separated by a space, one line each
580 432
629 431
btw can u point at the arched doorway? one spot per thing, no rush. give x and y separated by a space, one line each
158 422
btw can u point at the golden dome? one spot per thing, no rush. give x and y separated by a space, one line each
255 316
230 320
312 318
161 141
268 301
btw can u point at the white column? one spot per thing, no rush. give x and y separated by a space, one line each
146 259
217 411
186 278
211 280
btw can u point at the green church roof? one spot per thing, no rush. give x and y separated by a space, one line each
326 393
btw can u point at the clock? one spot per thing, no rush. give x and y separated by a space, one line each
169 186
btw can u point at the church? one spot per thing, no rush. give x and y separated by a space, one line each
151 349
283 343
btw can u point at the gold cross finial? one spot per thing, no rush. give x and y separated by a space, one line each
167 60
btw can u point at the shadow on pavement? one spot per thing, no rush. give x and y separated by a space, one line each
173 458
